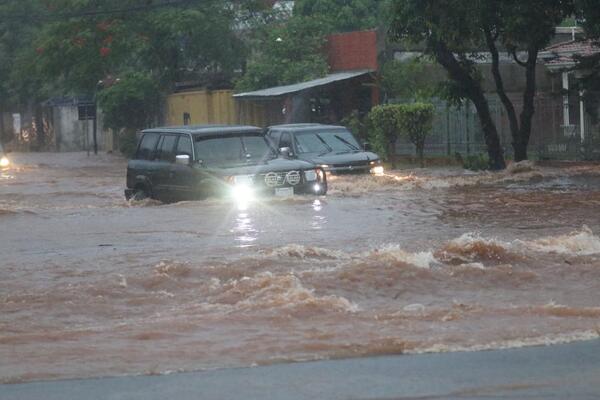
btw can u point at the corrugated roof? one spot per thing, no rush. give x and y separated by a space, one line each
298 87
564 54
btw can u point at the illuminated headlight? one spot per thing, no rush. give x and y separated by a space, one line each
4 162
310 175
242 193
241 189
317 187
378 170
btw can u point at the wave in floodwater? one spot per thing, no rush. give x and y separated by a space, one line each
299 302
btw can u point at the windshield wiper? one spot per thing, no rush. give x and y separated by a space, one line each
341 139
329 149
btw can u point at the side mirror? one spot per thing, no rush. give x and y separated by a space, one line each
286 152
182 159
367 146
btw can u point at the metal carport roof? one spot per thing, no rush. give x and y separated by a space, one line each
298 87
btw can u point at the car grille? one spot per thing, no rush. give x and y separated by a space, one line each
287 178
361 163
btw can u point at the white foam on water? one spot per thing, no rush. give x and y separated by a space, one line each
579 243
546 340
394 253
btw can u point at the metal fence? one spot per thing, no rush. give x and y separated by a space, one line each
456 130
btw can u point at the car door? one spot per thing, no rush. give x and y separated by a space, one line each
184 177
164 157
140 169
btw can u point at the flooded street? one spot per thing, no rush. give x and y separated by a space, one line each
421 261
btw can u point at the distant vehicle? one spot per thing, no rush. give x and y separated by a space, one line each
332 147
4 161
193 162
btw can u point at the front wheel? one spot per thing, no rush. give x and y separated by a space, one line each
137 194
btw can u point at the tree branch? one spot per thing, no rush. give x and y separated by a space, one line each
513 52
510 109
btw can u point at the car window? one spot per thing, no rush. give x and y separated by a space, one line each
286 140
274 135
311 143
184 146
231 150
164 151
339 140
257 147
147 146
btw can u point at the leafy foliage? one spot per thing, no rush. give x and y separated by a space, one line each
415 121
414 79
132 103
475 162
345 15
389 122
383 136
289 53
453 30
292 51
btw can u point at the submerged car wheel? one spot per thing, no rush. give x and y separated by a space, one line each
140 193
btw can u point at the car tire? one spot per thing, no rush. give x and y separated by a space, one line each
140 193
323 191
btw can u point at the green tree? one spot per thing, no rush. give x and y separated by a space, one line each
130 104
345 15
293 50
453 30
20 86
286 53
413 80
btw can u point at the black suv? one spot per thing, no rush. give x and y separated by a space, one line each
332 147
192 162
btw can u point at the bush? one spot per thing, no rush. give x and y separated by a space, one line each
412 120
476 162
415 121
384 132
127 142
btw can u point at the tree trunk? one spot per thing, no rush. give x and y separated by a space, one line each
392 153
474 92
520 145
508 105
40 135
420 153
492 141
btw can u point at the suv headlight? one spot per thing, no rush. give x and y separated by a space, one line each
310 175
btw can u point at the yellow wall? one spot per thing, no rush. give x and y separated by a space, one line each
213 107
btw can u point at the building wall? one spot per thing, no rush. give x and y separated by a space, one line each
70 134
353 51
213 107
203 107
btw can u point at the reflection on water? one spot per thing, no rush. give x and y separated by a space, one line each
244 230
318 220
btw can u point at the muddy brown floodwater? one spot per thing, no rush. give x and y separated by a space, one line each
421 261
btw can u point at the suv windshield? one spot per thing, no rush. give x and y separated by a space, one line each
325 141
232 150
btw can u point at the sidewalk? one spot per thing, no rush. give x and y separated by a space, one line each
570 371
